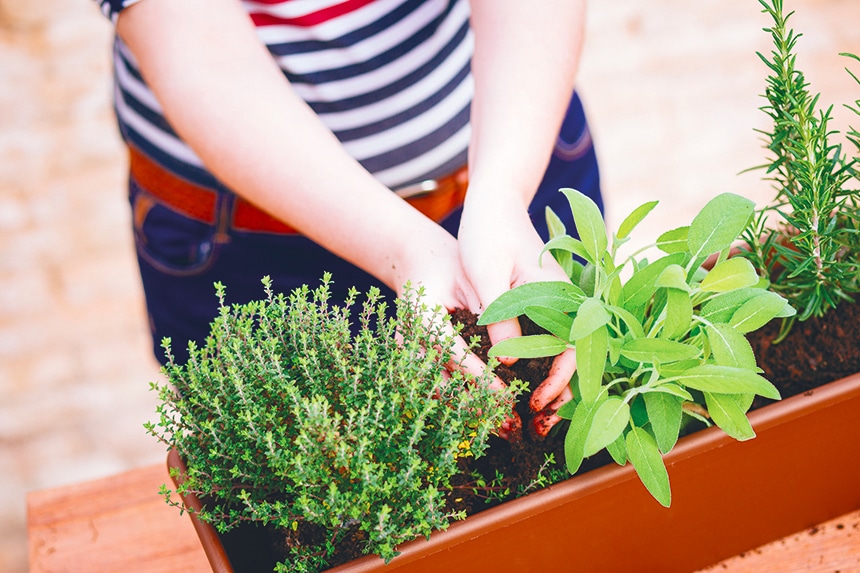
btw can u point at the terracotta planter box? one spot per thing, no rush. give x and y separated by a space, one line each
803 468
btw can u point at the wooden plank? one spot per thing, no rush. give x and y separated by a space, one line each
830 547
116 524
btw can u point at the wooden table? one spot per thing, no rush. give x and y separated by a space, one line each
122 525
119 525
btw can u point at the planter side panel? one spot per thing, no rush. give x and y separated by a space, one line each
803 468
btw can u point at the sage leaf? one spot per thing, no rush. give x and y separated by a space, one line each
589 224
551 320
669 388
610 419
646 459
634 327
590 316
674 241
567 244
554 224
634 218
574 440
726 413
591 363
618 450
675 277
723 306
729 347
679 314
757 312
655 350
641 285
718 224
557 295
730 275
665 412
727 380
534 346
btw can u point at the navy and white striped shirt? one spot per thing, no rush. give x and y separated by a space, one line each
390 78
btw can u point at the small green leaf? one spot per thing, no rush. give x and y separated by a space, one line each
634 219
679 314
618 450
634 327
757 312
656 350
610 419
726 413
574 440
669 388
641 286
664 413
731 274
567 244
729 347
554 224
674 241
718 224
590 316
674 276
551 320
721 307
648 463
535 346
589 224
591 363
558 295
727 380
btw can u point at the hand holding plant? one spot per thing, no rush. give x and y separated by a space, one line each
663 343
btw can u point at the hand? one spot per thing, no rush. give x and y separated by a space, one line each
434 264
500 250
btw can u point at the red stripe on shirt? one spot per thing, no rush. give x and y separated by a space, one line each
311 19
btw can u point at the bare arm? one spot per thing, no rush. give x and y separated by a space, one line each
525 63
225 96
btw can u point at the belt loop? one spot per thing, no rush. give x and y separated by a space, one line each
225 205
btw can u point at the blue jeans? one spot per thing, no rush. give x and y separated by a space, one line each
180 258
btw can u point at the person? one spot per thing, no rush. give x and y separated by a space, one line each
266 137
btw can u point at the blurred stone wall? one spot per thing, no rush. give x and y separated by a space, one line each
74 347
672 90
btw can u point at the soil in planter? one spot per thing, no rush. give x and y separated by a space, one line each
815 352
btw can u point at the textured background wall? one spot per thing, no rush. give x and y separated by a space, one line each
672 88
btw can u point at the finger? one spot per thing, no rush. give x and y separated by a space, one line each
502 331
544 421
467 361
560 373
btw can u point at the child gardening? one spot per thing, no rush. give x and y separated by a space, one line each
266 137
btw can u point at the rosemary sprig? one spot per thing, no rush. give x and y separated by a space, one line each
812 255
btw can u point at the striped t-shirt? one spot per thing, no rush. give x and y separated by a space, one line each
390 78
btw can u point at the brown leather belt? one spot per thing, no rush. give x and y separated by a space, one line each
436 198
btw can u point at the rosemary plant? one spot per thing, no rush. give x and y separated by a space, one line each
813 256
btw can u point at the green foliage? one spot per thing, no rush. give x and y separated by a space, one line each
813 257
284 417
654 339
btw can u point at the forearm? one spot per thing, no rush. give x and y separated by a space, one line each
524 65
224 95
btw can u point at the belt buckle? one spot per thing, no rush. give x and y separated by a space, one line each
417 189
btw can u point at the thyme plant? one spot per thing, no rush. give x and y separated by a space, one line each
657 342
285 417
813 257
